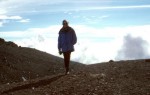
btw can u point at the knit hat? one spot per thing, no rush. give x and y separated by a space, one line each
65 22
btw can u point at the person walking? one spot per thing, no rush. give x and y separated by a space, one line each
66 41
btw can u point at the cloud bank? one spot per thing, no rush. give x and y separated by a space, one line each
133 48
94 44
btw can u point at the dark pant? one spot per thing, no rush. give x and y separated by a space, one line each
67 60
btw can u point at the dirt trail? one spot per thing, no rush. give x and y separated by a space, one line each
33 84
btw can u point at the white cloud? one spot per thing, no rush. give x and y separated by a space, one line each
44 39
10 17
133 48
27 6
36 6
94 44
2 22
24 20
2 11
118 7
92 19
6 19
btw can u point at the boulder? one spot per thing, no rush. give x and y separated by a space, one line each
110 61
12 44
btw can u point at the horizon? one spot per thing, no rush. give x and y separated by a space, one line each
106 29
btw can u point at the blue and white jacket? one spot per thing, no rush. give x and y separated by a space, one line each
67 39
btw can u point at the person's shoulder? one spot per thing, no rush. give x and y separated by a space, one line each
71 28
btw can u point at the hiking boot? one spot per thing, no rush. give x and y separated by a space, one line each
67 73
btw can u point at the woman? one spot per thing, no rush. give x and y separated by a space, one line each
66 41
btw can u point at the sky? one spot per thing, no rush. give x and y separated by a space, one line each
106 29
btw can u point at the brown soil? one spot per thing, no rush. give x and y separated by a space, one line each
26 71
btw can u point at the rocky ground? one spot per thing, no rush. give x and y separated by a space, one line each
26 71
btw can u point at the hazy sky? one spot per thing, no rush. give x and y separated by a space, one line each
106 29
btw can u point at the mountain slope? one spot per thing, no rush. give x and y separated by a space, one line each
26 71
20 63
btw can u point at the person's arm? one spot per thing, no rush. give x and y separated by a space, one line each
74 37
59 44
